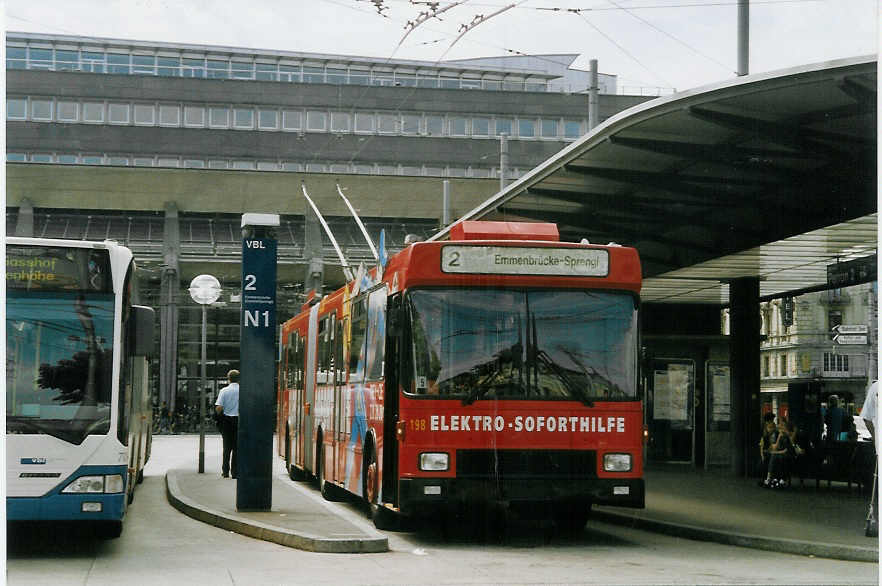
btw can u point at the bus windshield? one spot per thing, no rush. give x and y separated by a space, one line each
59 365
524 344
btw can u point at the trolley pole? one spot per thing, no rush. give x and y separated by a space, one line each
257 361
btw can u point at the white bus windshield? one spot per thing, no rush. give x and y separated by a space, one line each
522 344
59 364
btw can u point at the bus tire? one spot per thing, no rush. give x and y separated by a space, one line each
140 476
382 517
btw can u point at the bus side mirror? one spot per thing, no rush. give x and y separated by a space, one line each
141 324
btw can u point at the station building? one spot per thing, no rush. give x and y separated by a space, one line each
164 146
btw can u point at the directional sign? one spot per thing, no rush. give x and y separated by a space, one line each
851 329
850 339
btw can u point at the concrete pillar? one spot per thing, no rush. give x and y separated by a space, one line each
168 313
25 224
312 252
744 322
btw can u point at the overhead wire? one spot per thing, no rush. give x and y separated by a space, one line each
691 48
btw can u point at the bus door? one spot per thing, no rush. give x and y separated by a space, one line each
391 390
309 391
338 373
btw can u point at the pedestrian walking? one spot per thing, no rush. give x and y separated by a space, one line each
227 406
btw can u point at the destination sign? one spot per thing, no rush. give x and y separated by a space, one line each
57 268
508 260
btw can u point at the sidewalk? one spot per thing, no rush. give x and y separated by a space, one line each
298 517
715 506
695 504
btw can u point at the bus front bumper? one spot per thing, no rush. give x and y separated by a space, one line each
57 505
417 494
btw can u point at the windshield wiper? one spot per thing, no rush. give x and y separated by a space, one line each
509 355
575 389
592 375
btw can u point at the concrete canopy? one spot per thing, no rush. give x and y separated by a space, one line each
770 176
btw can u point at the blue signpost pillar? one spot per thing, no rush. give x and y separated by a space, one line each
257 324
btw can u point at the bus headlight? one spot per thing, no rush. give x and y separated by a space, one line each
617 462
110 483
435 461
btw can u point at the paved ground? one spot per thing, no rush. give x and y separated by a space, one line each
711 506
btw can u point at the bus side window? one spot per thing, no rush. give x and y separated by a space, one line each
339 367
356 346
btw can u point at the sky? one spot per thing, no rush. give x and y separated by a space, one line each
669 44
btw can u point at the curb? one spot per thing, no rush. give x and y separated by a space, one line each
266 531
780 545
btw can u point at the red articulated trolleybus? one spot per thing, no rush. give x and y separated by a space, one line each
498 366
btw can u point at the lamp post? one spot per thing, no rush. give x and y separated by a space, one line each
204 290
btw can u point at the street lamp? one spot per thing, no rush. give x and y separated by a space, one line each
204 290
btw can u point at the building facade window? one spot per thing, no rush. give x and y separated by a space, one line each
387 123
219 117
548 128
341 122
268 119
503 126
169 115
242 69
144 65
118 113
217 69
243 118
458 126
572 129
41 109
526 128
16 58
168 66
145 114
480 126
93 62
316 121
119 64
410 124
93 112
67 111
266 72
291 120
435 125
194 116
16 109
192 67
364 122
40 58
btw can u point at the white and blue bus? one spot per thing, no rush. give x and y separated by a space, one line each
78 407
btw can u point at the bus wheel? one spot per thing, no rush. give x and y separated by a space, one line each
140 476
382 517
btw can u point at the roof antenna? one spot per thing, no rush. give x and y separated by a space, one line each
347 271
